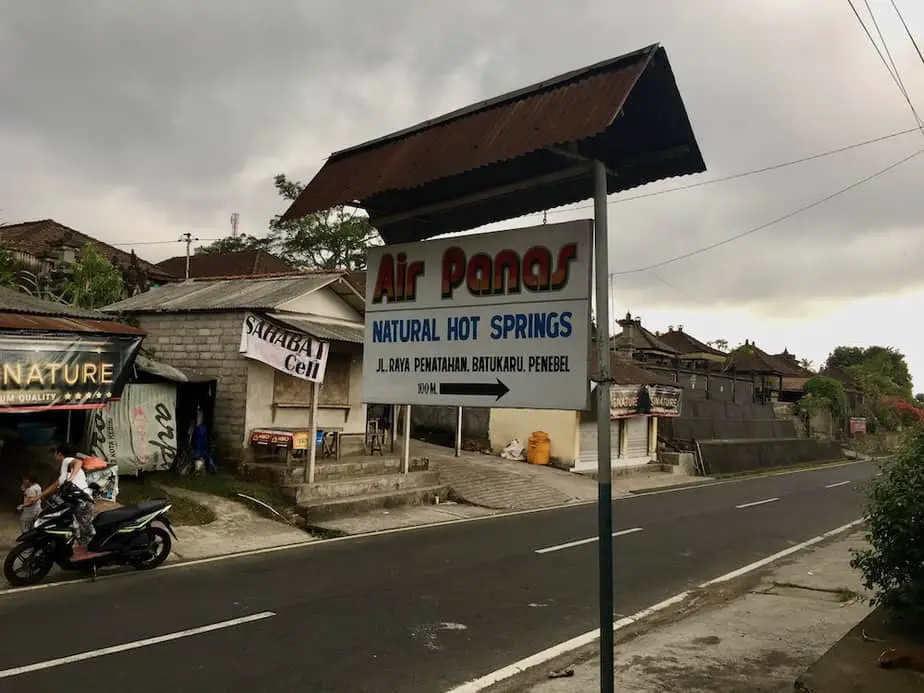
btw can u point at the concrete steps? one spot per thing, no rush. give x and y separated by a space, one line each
329 470
321 491
320 509
352 486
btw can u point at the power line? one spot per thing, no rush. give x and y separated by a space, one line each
773 222
889 63
908 31
181 240
750 172
898 74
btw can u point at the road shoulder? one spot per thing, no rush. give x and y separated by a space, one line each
758 632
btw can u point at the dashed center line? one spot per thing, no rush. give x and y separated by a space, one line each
579 542
839 483
753 503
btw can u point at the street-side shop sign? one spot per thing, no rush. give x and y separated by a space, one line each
642 400
57 370
497 320
285 350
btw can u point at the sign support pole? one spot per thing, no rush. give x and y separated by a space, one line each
459 432
312 435
394 426
604 451
406 442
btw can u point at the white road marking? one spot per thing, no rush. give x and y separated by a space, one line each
839 483
760 502
579 542
547 655
137 644
751 567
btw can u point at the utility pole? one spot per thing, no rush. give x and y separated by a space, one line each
188 239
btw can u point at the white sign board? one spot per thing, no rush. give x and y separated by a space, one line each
499 319
285 350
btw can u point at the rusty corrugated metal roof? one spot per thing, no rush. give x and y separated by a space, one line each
469 142
242 293
20 321
626 112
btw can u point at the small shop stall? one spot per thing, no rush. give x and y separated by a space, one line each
56 365
153 426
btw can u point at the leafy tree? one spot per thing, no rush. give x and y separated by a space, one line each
828 393
893 565
879 370
332 239
720 344
843 357
232 244
92 281
807 364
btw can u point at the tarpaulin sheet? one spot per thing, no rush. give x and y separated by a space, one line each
137 433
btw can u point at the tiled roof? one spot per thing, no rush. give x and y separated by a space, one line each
636 337
42 238
687 344
749 358
239 263
626 372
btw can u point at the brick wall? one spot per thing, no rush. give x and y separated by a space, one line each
208 344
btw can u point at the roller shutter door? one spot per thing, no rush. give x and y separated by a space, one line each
588 441
637 437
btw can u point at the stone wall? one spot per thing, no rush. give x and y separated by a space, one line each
208 344
711 419
438 424
735 456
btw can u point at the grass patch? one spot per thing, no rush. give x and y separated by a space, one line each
228 486
185 511
842 595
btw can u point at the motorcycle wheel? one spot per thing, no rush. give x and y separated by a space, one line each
161 545
33 568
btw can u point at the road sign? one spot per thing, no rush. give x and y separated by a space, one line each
499 319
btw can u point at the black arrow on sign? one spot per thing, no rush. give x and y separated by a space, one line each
496 390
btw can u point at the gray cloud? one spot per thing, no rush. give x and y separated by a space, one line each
137 122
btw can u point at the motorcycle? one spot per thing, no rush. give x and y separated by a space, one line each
135 535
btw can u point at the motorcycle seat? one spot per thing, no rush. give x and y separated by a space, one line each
110 518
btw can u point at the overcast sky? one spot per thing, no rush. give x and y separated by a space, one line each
136 122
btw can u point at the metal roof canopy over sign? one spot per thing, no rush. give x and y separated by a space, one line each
620 123
496 319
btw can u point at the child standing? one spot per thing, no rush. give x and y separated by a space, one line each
31 503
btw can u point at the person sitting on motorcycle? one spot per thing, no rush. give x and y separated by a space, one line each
31 504
84 508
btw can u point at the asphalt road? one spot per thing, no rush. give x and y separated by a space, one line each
420 611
